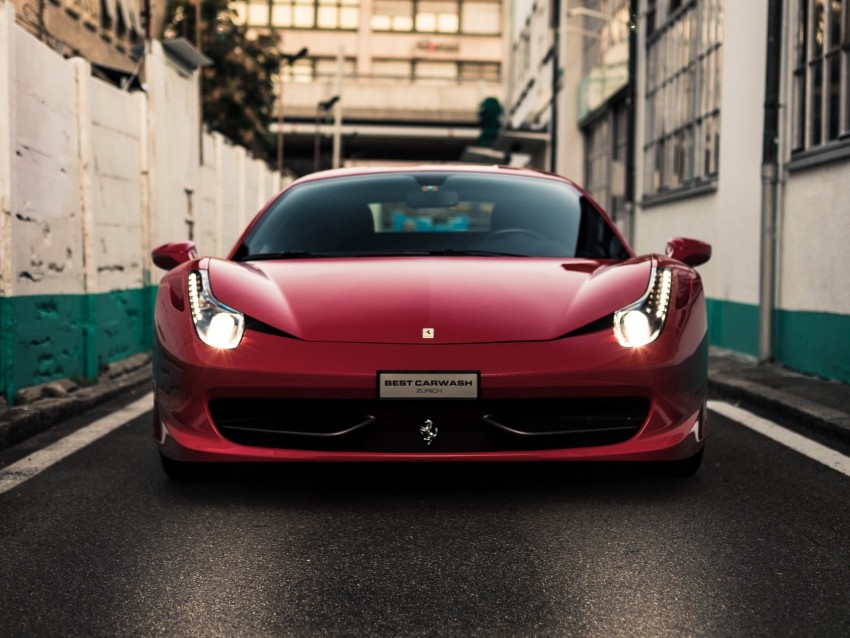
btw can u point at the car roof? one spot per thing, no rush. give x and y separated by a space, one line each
435 168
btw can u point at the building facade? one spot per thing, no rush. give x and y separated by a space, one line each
108 33
740 136
410 75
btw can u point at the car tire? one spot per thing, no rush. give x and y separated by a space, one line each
180 470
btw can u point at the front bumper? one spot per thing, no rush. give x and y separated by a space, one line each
669 376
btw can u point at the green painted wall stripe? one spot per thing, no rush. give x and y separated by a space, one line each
734 326
815 342
47 337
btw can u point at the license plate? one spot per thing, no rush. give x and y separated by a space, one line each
428 385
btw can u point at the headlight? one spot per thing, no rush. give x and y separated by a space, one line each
216 324
641 322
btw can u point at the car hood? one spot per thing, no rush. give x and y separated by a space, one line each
462 299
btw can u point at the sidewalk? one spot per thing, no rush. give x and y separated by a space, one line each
803 403
48 404
800 402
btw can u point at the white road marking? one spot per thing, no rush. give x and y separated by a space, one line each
37 462
801 444
34 464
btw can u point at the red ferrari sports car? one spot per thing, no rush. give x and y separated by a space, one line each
431 314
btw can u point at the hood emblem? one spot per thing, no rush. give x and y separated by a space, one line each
428 431
427 333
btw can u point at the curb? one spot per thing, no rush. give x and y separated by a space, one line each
22 422
801 415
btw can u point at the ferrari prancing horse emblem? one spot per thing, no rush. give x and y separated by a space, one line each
428 431
427 333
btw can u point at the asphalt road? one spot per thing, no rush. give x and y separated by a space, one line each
102 544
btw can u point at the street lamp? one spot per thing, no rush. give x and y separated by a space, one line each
290 59
587 13
321 108
583 12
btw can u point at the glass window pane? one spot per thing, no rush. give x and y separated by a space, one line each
819 28
304 15
326 18
392 15
835 23
392 7
488 71
326 67
300 71
834 95
426 22
281 16
349 18
802 31
845 35
241 10
480 17
435 72
650 117
816 120
845 56
447 23
258 14
391 68
658 178
799 109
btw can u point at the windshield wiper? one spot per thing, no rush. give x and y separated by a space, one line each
286 254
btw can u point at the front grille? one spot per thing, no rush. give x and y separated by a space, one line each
462 426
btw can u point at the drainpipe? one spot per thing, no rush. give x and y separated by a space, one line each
631 105
769 180
556 82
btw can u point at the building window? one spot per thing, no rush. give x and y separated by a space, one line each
299 14
338 14
106 18
392 15
434 72
481 16
392 69
258 14
683 82
308 70
597 159
474 71
821 73
438 16
606 146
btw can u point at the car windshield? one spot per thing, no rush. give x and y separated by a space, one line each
431 213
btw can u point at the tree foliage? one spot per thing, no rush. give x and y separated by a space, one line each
238 88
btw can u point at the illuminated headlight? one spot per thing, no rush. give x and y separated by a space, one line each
216 324
641 322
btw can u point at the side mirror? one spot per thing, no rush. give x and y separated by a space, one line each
689 251
169 256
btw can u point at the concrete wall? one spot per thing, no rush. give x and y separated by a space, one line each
813 317
91 178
